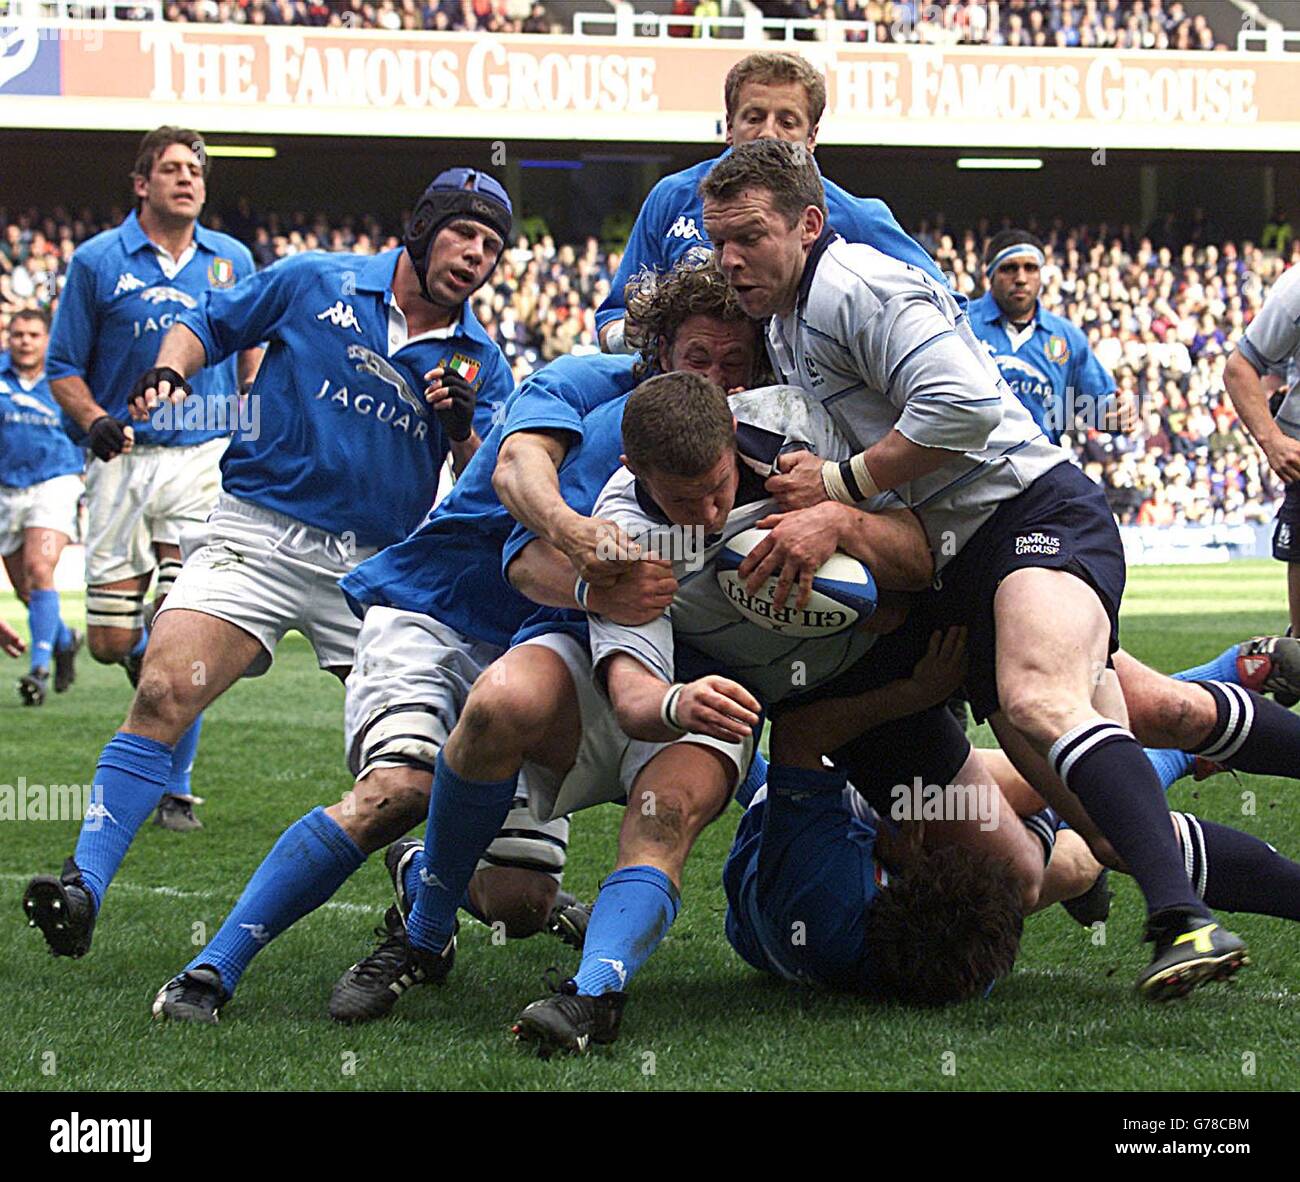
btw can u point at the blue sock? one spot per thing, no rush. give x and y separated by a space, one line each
1170 765
64 641
411 884
178 783
756 778
137 649
312 859
129 782
1222 668
634 910
43 620
464 817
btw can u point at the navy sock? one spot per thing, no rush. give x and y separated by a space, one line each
1043 825
1252 733
1236 872
1103 765
754 780
178 783
1222 668
633 912
43 620
129 781
312 859
1170 764
464 817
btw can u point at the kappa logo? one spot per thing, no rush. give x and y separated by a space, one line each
257 931
428 878
97 811
684 227
127 282
168 295
618 967
340 315
813 373
368 361
1284 535
1037 543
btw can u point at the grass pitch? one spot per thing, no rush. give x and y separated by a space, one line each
697 1018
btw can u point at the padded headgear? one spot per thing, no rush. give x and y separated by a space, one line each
458 192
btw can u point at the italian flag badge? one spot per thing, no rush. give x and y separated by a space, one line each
467 367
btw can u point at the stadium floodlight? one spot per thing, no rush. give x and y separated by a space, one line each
1001 163
242 151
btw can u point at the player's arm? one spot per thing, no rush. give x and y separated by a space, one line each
180 356
10 641
72 338
649 708
250 361
1245 386
643 592
802 736
1095 391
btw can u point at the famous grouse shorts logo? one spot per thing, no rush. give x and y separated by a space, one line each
1037 543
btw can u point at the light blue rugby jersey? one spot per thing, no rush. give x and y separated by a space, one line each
117 306
671 222
450 568
343 439
33 446
1054 373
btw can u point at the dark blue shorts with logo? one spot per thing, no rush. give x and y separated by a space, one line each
1061 522
1286 528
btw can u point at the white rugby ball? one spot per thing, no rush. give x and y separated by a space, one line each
843 592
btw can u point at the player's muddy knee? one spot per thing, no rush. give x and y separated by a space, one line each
504 716
162 705
384 806
520 900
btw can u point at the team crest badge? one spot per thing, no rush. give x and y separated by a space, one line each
221 273
467 367
1058 350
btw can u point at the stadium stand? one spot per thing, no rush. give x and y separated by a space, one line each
1162 311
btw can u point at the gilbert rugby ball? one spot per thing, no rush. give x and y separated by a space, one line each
843 592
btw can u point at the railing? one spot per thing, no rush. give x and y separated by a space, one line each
103 10
1276 40
717 28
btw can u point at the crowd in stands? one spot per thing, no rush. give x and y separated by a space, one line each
1163 309
469 16
1089 24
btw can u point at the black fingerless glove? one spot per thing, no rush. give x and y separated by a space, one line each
458 419
105 437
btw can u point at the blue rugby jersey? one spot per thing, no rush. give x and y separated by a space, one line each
33 446
450 568
342 438
799 879
1054 372
117 306
671 222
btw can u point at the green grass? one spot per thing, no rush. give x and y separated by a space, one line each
698 1017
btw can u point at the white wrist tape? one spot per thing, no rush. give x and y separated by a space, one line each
581 589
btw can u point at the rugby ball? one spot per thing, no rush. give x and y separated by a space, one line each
843 592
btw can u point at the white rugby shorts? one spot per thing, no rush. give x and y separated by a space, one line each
51 504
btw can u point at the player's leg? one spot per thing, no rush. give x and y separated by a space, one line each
1293 595
1220 722
1051 693
675 791
49 522
524 707
184 494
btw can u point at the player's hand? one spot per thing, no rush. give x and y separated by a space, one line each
160 384
600 551
639 594
1283 455
1120 418
798 485
797 546
108 438
717 707
939 674
10 641
452 399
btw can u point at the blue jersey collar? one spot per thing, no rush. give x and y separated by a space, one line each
376 275
134 238
986 309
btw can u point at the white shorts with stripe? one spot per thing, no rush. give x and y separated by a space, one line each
608 762
145 498
407 688
267 573
51 504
